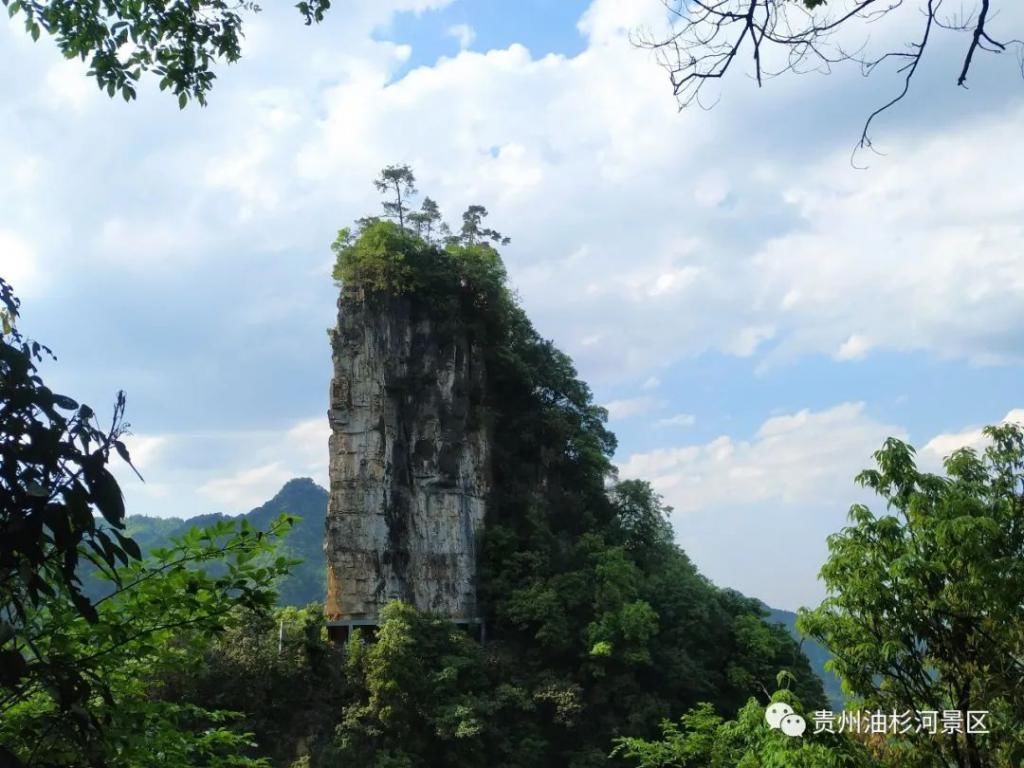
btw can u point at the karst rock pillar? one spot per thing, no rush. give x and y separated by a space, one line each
409 454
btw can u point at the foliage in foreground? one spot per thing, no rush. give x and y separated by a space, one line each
53 478
79 675
704 739
281 672
122 39
924 605
167 609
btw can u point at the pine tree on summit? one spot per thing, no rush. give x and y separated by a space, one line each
427 219
400 180
473 230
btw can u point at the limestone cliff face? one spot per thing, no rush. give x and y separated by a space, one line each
409 461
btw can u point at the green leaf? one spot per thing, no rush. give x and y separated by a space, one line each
122 451
85 607
106 495
37 489
130 546
62 401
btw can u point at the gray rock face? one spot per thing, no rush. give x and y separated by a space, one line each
408 461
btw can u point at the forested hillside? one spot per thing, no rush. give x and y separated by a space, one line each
304 584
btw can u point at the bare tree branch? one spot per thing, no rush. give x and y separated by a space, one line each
707 37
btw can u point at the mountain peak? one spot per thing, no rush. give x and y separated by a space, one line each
300 484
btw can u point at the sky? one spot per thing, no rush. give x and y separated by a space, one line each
757 314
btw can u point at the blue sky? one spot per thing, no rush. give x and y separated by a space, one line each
756 314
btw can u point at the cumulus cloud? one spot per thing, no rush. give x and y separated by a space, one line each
230 471
679 420
809 257
712 189
534 130
754 511
740 502
18 263
854 348
463 33
246 488
904 258
69 87
624 409
145 450
800 458
946 443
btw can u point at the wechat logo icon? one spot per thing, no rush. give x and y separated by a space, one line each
782 716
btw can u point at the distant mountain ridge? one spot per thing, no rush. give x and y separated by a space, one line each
307 583
301 497
816 654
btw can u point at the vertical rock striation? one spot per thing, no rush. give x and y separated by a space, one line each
408 461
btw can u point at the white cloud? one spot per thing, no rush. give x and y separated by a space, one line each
903 254
740 502
229 471
305 445
463 33
530 130
247 488
854 348
150 240
68 86
624 409
745 341
607 21
712 189
806 457
300 450
942 445
18 264
679 420
652 382
813 256
145 450
673 281
754 512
